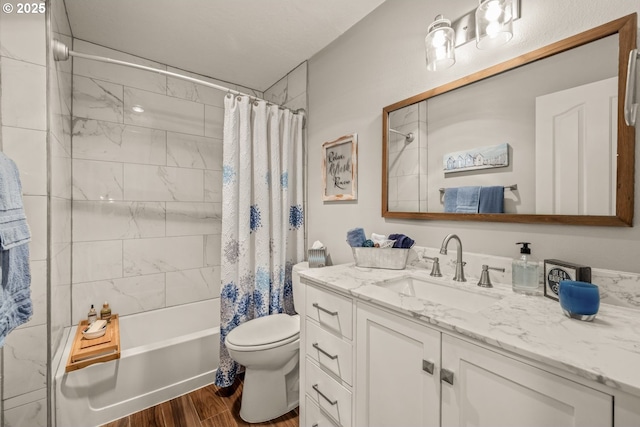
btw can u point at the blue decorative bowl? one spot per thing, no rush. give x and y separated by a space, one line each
579 300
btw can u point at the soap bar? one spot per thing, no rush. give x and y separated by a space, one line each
96 326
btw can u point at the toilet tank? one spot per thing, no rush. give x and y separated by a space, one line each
298 289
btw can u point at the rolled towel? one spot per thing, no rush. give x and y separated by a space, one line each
402 241
378 238
356 237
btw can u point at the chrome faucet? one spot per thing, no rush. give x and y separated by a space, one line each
459 276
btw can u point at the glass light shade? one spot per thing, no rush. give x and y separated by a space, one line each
494 23
440 45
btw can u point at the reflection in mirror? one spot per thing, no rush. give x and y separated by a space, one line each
549 130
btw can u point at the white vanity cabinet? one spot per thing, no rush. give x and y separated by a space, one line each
491 389
410 374
364 364
327 359
397 372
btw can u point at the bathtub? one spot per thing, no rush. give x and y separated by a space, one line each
165 353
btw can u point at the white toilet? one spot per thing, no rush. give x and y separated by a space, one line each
268 348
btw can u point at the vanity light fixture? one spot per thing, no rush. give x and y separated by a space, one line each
439 45
490 25
494 23
137 108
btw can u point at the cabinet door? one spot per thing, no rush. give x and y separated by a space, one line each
393 387
490 389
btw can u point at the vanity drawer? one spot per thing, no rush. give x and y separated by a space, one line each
332 311
330 352
331 397
315 417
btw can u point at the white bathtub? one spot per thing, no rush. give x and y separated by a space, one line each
165 353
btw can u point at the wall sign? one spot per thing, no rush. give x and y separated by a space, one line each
340 168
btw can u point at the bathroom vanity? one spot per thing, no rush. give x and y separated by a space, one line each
398 347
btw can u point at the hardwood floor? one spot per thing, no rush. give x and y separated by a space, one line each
209 406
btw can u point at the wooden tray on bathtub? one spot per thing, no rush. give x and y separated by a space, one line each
86 352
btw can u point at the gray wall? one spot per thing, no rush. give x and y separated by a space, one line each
380 61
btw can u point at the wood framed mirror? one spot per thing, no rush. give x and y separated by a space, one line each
581 181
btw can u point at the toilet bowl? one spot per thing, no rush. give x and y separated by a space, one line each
268 347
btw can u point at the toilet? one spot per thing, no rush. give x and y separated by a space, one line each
268 347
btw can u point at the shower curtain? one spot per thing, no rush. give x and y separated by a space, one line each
262 215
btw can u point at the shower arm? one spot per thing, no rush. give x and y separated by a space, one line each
61 52
407 136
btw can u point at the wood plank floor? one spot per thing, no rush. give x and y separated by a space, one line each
209 406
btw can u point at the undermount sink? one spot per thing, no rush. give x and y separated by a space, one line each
440 293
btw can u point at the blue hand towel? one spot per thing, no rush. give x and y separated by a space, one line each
491 200
15 276
467 200
356 237
450 199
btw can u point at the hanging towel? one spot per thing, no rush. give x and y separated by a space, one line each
491 200
15 290
467 200
450 199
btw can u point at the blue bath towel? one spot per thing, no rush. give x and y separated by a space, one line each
491 200
450 199
467 200
15 275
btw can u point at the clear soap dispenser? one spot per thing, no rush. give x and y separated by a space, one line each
524 271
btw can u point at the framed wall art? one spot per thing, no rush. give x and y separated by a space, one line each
340 168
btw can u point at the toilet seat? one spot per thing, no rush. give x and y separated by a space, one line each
264 333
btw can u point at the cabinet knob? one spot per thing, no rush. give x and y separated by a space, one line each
446 376
428 367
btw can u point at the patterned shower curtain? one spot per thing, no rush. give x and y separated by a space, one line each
262 215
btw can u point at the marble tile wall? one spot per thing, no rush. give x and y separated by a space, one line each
146 186
405 160
23 137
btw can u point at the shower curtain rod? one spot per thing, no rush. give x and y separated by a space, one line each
61 52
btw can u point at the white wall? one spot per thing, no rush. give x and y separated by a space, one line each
380 61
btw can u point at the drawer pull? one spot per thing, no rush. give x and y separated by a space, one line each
332 402
314 425
330 356
319 307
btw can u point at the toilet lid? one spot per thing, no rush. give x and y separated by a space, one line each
265 330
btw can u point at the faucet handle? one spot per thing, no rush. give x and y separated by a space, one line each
435 268
485 280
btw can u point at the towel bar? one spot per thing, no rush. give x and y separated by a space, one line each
506 187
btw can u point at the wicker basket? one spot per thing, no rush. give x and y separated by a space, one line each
390 258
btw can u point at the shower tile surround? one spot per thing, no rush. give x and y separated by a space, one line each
31 120
147 188
146 198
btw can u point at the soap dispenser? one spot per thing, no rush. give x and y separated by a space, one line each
524 271
92 316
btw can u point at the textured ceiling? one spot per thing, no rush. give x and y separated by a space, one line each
253 43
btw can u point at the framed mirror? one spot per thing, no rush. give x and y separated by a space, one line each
540 138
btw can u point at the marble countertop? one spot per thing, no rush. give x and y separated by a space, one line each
606 350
